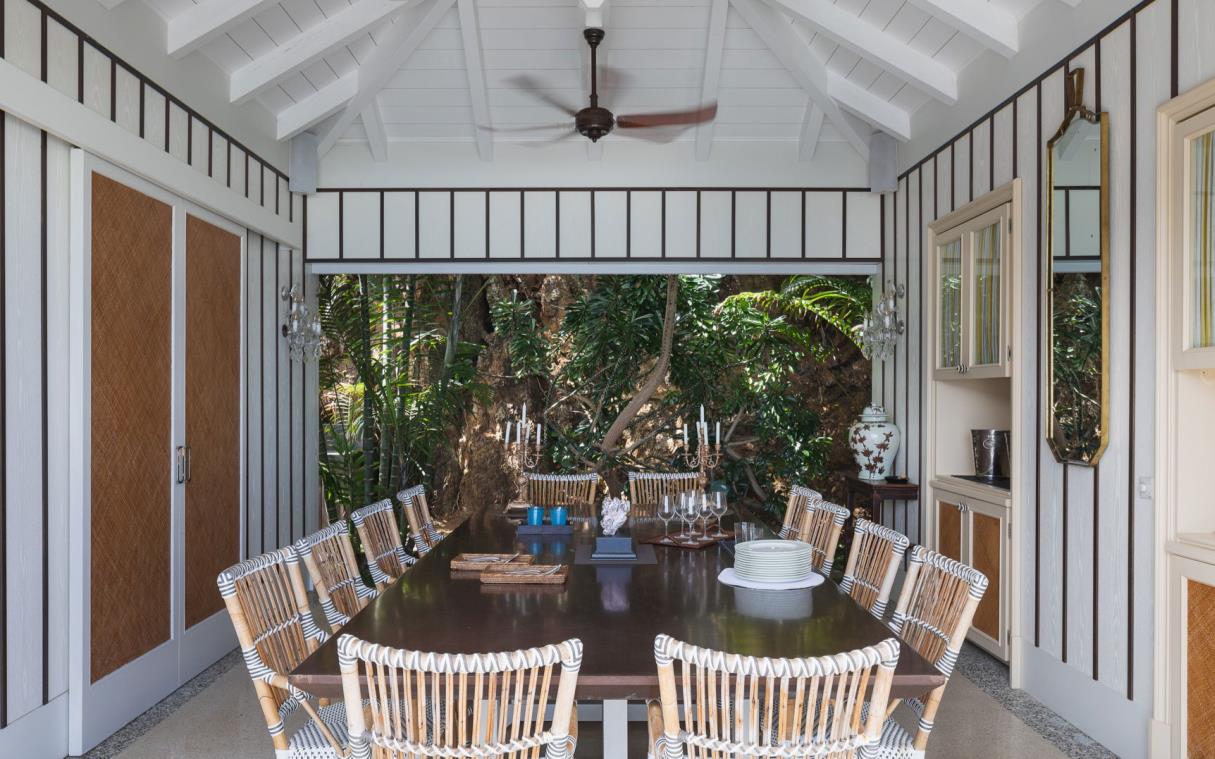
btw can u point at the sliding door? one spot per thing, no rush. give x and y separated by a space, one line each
155 447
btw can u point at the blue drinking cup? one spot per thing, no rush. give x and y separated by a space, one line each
535 515
559 516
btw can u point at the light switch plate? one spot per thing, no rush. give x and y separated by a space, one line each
1143 488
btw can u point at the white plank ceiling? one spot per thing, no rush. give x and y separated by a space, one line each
382 71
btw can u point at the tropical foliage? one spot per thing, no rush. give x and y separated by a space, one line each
395 379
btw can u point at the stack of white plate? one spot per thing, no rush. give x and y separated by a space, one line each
772 560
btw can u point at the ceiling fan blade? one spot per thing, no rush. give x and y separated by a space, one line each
669 119
659 134
532 87
550 141
564 126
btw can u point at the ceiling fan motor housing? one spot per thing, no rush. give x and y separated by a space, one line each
594 123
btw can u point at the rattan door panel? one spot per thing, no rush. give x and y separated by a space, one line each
986 544
1200 669
949 529
212 396
130 427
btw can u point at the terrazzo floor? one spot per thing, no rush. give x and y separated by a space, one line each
216 715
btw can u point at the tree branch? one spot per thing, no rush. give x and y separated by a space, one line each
658 374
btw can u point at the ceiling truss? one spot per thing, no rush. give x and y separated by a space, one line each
786 27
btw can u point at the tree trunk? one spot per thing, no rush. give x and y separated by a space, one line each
368 390
658 374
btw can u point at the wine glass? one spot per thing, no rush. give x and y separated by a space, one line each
688 515
705 512
694 507
666 512
718 506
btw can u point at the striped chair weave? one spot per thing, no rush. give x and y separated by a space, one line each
745 706
329 557
413 502
800 498
459 705
820 527
381 539
268 605
932 617
873 562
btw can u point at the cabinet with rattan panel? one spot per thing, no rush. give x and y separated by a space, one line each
972 526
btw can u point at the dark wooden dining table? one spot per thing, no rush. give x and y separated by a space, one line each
616 611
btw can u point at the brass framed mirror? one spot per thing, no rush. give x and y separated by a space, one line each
1077 296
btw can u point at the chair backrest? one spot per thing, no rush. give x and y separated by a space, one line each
381 539
453 705
795 510
577 490
646 489
873 562
329 557
268 605
932 617
417 512
820 528
745 706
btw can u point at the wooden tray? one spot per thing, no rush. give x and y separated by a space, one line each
502 575
701 542
466 562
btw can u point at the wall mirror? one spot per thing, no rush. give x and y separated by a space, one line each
1077 297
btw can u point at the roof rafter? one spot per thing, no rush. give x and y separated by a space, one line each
989 25
877 46
377 136
795 56
478 95
191 29
876 111
307 48
407 32
712 74
317 107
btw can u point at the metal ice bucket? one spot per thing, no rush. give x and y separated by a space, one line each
991 453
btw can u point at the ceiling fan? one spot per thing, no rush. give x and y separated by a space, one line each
595 122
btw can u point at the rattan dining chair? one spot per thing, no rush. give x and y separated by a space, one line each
932 617
745 706
821 528
329 557
459 705
413 502
577 490
381 539
800 497
646 489
268 605
872 564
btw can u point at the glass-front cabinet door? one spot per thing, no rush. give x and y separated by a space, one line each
1196 259
987 348
972 297
949 306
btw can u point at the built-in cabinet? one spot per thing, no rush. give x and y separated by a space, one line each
1184 697
972 526
970 384
971 301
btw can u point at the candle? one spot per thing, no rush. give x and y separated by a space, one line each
702 413
718 435
506 440
523 424
538 428
685 433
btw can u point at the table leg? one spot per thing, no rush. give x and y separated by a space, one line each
615 728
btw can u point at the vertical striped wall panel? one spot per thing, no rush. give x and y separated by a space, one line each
1086 553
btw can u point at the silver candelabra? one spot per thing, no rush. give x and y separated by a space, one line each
522 441
707 455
